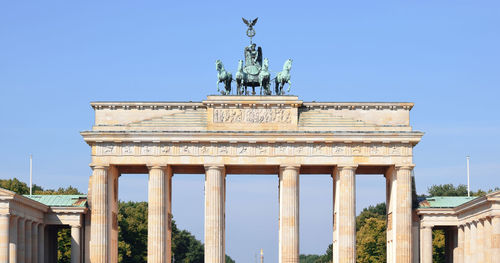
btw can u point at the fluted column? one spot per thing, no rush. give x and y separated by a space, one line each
426 244
467 242
473 242
99 244
158 215
345 214
480 241
487 240
458 254
28 241
21 238
4 238
289 214
495 238
75 244
215 191
41 243
13 239
34 242
403 211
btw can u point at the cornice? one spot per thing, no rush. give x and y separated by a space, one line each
104 105
359 105
69 210
254 137
249 101
6 195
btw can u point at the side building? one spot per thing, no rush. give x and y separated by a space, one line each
29 225
471 226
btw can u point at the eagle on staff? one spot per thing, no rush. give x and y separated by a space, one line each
250 24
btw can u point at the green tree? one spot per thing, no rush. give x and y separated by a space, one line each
132 232
327 257
377 211
17 186
447 190
459 190
371 241
308 258
438 246
370 236
64 245
132 237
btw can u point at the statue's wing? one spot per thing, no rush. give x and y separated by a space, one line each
254 21
246 21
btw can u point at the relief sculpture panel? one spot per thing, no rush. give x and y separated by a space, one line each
252 116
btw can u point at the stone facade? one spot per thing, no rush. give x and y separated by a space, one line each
472 229
28 229
251 135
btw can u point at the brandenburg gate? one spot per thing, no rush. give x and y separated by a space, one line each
223 135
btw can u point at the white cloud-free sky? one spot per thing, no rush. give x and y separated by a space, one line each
57 56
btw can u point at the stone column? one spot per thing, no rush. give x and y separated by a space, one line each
426 244
100 243
495 238
75 244
289 214
215 192
487 240
473 242
28 241
158 216
21 237
403 214
13 239
34 242
41 243
467 243
345 214
4 238
450 243
480 241
458 254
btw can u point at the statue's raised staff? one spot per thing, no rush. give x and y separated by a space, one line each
283 77
223 76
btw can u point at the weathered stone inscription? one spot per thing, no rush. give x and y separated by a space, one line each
252 115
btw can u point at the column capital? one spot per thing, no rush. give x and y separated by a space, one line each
407 167
99 166
156 166
294 167
220 167
426 227
350 167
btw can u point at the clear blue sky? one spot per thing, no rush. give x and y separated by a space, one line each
57 56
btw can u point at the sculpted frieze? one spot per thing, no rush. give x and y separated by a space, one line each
128 149
147 149
252 116
253 149
166 149
339 150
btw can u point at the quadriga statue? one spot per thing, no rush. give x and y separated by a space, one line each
223 76
283 77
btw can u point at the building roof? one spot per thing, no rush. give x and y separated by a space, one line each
60 200
444 201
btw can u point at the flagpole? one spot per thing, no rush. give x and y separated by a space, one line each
468 177
31 174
